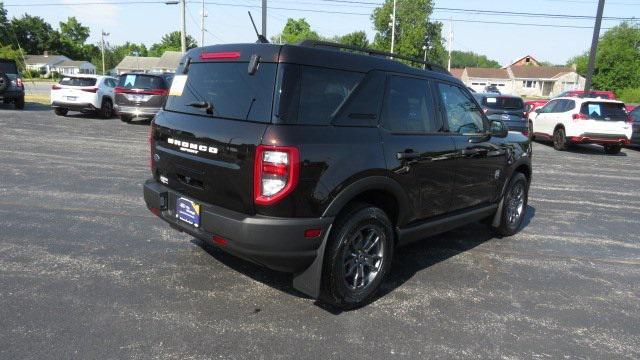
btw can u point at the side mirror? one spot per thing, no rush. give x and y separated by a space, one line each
498 128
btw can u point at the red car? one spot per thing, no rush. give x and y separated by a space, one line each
531 105
589 94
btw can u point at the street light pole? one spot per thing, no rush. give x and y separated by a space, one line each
102 49
594 46
203 15
264 18
450 43
393 27
183 30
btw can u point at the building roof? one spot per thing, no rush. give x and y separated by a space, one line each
539 72
137 63
169 60
533 60
456 72
73 63
487 73
44 59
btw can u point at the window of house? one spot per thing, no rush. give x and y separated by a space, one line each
529 84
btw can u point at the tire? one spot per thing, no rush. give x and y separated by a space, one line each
612 149
61 111
514 206
106 109
355 263
19 103
4 81
125 118
560 142
531 136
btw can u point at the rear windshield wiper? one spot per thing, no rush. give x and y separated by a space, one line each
202 105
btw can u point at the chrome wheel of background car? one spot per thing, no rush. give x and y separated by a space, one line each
515 203
363 258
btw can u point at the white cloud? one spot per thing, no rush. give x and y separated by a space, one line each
95 14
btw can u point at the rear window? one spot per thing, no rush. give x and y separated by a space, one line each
140 81
229 89
594 96
503 103
635 114
604 111
77 81
8 67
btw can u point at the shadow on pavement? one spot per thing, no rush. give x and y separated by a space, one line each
589 149
408 260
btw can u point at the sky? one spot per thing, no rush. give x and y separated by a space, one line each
228 22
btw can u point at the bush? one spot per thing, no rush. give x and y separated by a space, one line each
31 74
630 95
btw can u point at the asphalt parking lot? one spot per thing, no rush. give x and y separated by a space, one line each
87 272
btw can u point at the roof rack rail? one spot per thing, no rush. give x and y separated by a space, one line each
371 52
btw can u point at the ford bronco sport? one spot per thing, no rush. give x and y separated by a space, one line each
11 85
319 159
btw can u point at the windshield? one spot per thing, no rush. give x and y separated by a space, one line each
78 81
229 90
503 103
635 114
604 111
141 81
8 67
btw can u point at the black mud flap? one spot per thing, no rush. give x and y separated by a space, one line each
310 280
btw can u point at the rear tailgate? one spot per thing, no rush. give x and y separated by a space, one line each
141 90
605 118
207 152
74 90
507 109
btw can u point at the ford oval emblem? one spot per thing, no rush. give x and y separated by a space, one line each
156 157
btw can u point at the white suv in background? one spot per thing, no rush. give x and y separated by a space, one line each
568 121
84 93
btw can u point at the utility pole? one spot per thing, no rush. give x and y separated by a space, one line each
203 15
594 46
183 27
264 18
450 43
393 26
102 49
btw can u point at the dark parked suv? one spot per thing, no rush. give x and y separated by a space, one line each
11 86
319 162
141 96
506 108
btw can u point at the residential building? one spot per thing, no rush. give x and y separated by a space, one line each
143 64
479 78
526 60
168 62
71 67
45 63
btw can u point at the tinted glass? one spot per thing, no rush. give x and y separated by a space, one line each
8 67
77 81
604 111
463 115
503 103
229 89
635 114
407 106
322 92
139 81
550 107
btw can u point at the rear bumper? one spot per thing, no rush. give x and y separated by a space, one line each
602 139
136 111
73 106
277 243
11 94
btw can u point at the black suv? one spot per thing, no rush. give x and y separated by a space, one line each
11 85
318 161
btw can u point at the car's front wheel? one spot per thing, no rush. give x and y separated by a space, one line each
514 205
60 111
560 142
106 109
358 256
612 149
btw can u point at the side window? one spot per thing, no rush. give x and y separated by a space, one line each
570 105
549 107
322 93
463 115
407 106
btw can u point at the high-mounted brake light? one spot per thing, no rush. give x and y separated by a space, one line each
580 116
276 173
19 83
219 55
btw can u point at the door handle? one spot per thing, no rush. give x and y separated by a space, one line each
407 155
475 152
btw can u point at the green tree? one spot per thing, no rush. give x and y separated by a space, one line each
462 59
170 42
74 31
356 38
35 35
412 27
617 64
295 31
4 26
8 52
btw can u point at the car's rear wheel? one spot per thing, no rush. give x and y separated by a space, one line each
61 111
514 205
560 140
612 149
125 118
19 103
358 256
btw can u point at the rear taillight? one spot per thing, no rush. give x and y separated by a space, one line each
275 174
123 90
219 55
580 116
55 87
629 119
19 83
119 90
91 90
152 146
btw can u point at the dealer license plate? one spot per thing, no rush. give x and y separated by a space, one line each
188 211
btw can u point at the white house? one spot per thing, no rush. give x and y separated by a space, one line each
142 64
168 62
71 67
43 63
479 78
